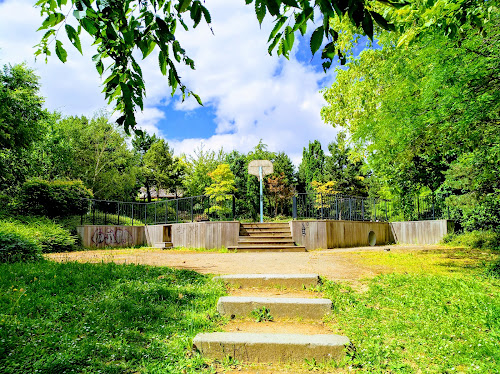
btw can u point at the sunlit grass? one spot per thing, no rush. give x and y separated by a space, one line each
90 318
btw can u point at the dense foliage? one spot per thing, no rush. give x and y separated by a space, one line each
56 198
426 118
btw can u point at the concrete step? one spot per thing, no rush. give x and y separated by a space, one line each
265 229
265 234
253 347
236 306
268 248
265 239
163 245
265 225
271 280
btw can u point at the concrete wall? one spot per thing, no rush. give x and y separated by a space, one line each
421 232
100 236
207 235
336 234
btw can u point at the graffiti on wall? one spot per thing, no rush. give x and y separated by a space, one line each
111 236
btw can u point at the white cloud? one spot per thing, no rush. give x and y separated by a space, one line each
254 96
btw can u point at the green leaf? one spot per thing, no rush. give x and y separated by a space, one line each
316 39
73 37
273 44
289 40
368 25
279 24
196 13
292 3
52 20
60 51
162 59
206 14
183 5
197 98
89 25
274 7
99 67
382 22
260 10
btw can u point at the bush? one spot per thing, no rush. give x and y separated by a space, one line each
55 198
47 235
17 246
474 239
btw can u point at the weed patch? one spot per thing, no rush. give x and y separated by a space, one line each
409 323
109 318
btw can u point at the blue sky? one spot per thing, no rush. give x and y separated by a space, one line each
247 94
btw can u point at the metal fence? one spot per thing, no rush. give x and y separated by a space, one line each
304 206
184 209
352 208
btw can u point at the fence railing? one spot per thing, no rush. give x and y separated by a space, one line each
340 207
304 206
184 209
352 208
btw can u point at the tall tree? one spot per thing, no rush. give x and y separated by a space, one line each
311 167
345 168
198 169
221 189
162 167
142 142
426 117
101 157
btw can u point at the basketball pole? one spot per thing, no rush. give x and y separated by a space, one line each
261 197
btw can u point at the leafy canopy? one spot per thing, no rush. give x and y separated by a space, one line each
120 27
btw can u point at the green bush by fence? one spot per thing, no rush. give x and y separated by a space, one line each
26 238
16 245
54 198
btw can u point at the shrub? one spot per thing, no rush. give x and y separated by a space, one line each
55 198
16 245
47 235
474 239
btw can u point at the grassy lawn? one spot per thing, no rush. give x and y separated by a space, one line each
103 318
436 312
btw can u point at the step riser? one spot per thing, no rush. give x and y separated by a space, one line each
278 307
265 225
276 348
291 249
271 280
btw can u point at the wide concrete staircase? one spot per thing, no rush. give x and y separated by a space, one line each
297 332
266 237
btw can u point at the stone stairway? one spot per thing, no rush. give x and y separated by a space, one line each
266 237
295 334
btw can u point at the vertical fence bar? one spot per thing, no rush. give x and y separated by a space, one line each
192 214
294 207
176 210
118 213
132 214
234 208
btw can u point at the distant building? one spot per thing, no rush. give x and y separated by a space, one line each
158 195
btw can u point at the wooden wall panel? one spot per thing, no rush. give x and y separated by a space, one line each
421 232
102 236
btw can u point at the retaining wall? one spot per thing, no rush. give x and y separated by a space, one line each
337 234
421 232
207 235
100 236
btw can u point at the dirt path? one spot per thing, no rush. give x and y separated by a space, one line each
334 264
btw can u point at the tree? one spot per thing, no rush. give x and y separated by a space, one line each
345 168
20 107
100 157
142 142
426 118
198 168
119 27
221 189
280 191
311 167
162 167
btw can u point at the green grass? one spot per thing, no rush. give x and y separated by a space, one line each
103 318
409 323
